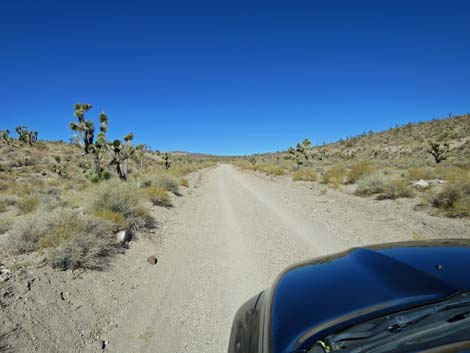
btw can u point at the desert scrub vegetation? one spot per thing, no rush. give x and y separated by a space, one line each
27 203
418 173
262 167
383 186
454 199
335 175
305 174
124 199
184 182
158 196
358 170
68 238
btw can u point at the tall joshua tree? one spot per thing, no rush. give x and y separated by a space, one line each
121 154
85 136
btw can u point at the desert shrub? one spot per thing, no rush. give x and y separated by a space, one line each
453 174
115 218
27 204
124 199
158 196
396 189
421 173
270 169
305 174
358 170
51 197
27 231
372 184
5 225
79 241
184 182
246 165
383 185
167 182
87 252
335 175
454 200
69 238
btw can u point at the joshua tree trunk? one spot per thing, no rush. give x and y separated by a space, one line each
125 164
96 165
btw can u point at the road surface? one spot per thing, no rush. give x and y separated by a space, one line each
228 241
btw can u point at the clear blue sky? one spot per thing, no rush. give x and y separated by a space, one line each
233 77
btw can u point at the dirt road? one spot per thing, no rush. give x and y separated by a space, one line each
229 242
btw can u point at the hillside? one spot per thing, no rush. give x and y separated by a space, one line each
408 143
391 164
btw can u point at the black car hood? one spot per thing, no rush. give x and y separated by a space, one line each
313 299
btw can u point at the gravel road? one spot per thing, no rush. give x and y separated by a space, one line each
229 241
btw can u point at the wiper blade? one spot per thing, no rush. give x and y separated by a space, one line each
396 323
401 321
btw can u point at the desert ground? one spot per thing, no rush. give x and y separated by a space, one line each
227 237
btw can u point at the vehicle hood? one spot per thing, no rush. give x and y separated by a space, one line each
313 299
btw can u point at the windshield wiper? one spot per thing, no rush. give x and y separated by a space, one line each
395 324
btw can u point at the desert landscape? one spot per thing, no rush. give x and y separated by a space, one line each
125 256
234 176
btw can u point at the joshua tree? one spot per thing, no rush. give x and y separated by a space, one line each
303 153
140 153
86 136
5 136
122 153
322 154
25 135
438 151
166 161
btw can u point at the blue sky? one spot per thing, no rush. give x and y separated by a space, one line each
233 77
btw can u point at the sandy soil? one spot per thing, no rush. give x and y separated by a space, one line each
227 238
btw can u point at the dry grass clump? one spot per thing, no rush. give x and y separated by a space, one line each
158 196
27 231
372 184
124 199
184 182
384 186
421 173
27 203
306 174
69 238
335 175
454 199
270 169
358 170
396 189
5 224
115 218
264 167
167 182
